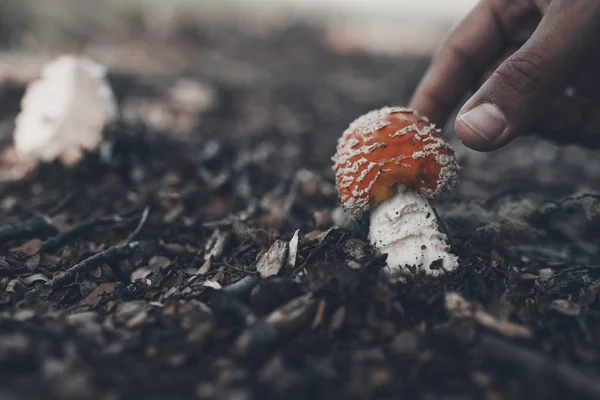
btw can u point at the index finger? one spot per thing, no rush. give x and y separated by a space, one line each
476 42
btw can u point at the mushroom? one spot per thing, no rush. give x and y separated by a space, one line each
64 112
391 162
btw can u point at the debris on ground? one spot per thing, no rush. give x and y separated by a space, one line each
217 263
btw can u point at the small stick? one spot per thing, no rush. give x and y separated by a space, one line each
55 242
61 204
243 271
108 256
138 228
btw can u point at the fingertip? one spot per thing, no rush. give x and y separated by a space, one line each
482 128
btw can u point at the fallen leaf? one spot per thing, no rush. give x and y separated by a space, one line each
318 235
219 274
212 284
27 249
216 245
337 319
271 262
293 251
320 314
174 248
158 263
14 286
94 298
35 278
140 274
566 307
205 268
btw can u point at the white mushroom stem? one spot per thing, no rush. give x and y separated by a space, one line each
405 227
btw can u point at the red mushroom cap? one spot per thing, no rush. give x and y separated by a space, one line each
390 147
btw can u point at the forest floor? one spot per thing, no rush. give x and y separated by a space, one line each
226 155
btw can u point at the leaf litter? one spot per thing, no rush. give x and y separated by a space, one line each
217 263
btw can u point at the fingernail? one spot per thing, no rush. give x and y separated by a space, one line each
486 121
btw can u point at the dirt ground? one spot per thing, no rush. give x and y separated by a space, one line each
224 152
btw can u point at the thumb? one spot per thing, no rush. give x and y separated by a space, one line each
525 85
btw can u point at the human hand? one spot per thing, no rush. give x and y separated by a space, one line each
536 64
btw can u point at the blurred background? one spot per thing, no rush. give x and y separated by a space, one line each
322 62
378 26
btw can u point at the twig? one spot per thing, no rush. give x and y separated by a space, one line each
243 271
30 226
55 242
138 228
61 204
108 256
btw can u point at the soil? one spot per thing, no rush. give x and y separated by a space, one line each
165 227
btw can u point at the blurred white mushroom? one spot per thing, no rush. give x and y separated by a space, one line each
65 111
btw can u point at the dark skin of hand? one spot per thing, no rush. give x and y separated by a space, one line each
523 58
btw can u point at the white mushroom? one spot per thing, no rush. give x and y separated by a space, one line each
65 111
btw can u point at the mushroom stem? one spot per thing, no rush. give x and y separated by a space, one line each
405 228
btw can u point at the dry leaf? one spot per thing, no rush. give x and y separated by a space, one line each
318 235
320 314
271 262
293 250
158 263
140 274
337 319
212 284
205 268
216 245
174 248
35 278
94 298
27 249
